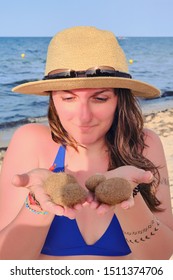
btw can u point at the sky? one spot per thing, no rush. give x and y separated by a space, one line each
123 17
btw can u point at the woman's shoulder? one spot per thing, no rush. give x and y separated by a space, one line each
33 127
32 137
34 142
154 147
32 132
151 137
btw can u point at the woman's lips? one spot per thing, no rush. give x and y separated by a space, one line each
85 127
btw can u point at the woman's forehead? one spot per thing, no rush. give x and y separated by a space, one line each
87 90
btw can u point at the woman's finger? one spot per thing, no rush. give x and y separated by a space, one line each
128 203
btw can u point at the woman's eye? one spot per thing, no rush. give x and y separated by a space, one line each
101 99
68 98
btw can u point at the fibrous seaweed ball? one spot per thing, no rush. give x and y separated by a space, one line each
113 191
58 180
64 189
93 181
69 195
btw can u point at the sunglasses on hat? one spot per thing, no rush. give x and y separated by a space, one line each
101 71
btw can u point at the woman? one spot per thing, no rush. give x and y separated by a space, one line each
95 127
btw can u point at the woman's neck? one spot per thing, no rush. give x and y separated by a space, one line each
91 158
88 151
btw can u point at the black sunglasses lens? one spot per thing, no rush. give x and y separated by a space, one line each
107 73
68 74
99 73
93 73
61 75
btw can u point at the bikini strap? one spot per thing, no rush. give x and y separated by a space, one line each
58 165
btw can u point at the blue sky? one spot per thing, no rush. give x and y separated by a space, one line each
123 17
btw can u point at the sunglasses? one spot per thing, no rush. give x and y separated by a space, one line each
102 71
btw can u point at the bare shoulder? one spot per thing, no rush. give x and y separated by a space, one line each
33 130
33 141
30 136
154 148
154 151
151 136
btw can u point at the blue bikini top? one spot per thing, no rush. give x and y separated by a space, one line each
64 237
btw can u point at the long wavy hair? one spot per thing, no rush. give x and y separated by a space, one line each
125 141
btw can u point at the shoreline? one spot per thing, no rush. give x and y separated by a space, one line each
160 122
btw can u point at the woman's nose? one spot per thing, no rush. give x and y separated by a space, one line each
84 112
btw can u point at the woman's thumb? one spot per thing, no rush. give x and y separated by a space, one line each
21 180
144 177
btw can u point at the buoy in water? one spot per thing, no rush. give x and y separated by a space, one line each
22 55
131 61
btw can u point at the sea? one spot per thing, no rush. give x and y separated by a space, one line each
22 59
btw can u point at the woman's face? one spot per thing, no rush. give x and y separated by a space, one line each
86 114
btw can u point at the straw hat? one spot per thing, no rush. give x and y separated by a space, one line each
81 48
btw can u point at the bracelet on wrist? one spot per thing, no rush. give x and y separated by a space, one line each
32 200
27 205
136 190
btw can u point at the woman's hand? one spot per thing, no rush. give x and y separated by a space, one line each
134 175
33 181
131 173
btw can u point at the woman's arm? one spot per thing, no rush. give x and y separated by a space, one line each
150 235
22 232
24 237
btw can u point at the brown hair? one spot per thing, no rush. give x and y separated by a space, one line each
125 141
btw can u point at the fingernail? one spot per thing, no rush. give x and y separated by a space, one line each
151 176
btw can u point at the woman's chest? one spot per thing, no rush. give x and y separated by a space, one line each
92 226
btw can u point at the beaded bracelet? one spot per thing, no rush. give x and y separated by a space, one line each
32 210
136 190
32 200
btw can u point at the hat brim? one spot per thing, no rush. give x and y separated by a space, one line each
138 88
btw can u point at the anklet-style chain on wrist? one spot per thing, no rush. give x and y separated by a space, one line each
144 234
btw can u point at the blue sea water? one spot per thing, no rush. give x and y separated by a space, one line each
152 63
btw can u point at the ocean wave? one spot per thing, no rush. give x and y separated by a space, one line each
12 124
16 83
167 93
